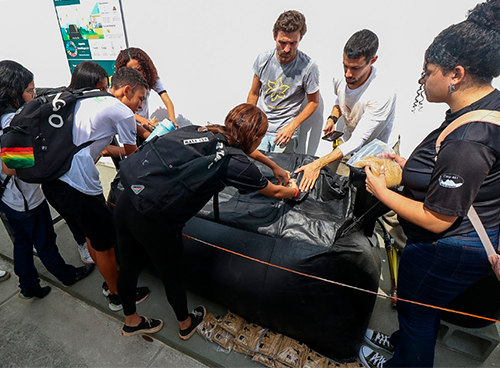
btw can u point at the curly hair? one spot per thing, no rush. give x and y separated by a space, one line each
147 68
87 74
14 79
473 44
290 21
243 125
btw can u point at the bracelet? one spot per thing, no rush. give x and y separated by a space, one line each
334 118
296 192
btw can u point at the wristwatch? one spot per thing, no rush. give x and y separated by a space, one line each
334 118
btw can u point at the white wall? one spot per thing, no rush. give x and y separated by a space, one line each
204 50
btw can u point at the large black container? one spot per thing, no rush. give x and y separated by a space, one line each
310 238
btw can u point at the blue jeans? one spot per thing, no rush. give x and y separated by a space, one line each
34 228
268 145
433 273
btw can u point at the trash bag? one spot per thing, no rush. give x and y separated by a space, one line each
310 238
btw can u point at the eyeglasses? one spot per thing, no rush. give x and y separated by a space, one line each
30 91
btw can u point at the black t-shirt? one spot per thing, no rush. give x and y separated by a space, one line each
237 171
466 172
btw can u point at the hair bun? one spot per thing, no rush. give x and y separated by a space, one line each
486 14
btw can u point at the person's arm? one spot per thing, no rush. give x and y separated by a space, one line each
410 210
312 170
170 107
253 95
279 191
145 123
330 123
286 133
281 174
116 151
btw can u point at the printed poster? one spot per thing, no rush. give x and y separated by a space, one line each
91 30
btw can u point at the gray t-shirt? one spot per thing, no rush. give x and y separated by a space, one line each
284 86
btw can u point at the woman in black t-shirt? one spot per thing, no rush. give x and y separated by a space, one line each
443 255
159 238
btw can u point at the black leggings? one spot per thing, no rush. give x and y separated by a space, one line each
140 238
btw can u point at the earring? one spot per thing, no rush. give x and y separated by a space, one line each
451 88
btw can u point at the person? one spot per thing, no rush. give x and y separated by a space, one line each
283 77
365 103
78 194
443 255
140 239
136 58
24 205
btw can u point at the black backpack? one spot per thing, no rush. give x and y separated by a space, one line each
39 141
159 176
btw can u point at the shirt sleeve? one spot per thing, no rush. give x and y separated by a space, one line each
460 171
127 128
158 87
312 79
244 175
375 114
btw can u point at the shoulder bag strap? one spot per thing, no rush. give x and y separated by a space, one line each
486 116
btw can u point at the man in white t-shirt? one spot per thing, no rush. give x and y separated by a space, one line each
78 194
283 78
365 103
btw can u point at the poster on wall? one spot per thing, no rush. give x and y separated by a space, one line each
91 30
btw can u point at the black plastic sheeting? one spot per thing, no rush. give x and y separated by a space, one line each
308 237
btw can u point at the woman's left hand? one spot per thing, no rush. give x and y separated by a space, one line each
375 184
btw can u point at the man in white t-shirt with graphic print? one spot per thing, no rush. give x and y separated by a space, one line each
283 78
365 103
78 194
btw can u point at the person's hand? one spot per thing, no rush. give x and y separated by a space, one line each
375 184
329 127
282 175
284 135
293 184
399 160
311 172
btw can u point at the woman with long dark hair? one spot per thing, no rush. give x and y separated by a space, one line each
24 205
140 238
443 254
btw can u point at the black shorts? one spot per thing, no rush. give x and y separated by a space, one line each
87 214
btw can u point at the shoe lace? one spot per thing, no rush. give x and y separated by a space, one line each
383 340
148 321
196 313
377 360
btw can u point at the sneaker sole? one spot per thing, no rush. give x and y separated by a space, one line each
116 308
143 331
186 337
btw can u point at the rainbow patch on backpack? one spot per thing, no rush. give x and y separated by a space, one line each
18 157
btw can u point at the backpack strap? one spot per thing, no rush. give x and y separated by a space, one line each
486 116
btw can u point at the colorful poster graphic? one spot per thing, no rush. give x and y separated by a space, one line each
91 30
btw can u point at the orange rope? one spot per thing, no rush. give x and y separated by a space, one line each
337 283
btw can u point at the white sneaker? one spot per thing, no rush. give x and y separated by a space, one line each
378 340
4 275
84 253
370 358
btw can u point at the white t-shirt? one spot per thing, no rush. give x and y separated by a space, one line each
144 110
12 197
97 119
368 111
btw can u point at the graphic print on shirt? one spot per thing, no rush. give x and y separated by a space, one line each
276 91
452 181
